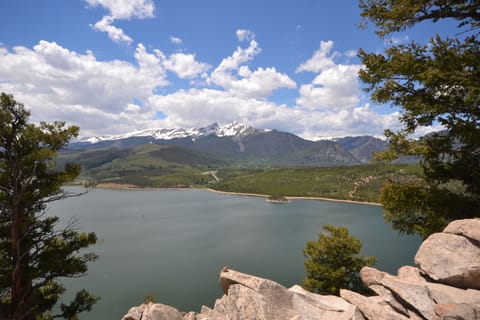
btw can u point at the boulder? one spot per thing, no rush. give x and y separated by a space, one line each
410 293
411 273
420 298
450 259
249 297
460 311
371 307
135 313
153 311
326 302
469 228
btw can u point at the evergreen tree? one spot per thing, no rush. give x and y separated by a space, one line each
33 252
333 262
434 83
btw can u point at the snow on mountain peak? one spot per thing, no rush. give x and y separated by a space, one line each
234 129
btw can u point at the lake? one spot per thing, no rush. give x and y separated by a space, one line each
172 244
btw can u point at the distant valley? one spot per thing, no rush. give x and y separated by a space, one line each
236 158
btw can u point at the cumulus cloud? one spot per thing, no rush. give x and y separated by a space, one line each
121 10
336 85
236 78
109 97
245 35
333 98
115 34
57 83
197 107
175 40
126 9
334 88
321 59
185 65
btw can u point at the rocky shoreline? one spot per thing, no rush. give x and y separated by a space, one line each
445 284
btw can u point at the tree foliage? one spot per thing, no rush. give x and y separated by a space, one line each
333 262
33 252
434 83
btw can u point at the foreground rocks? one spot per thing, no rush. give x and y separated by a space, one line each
444 285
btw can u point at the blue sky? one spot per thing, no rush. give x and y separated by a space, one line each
114 66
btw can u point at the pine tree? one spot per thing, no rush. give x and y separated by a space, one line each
434 83
33 252
333 262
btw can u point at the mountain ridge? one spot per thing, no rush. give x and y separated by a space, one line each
236 129
239 143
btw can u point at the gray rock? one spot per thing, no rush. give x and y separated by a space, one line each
460 311
469 228
205 313
423 296
387 296
157 311
450 259
190 316
411 273
372 307
153 311
410 293
328 302
249 297
134 313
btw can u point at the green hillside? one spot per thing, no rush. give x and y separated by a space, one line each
169 166
357 183
148 165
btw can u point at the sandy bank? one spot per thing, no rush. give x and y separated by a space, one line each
111 185
122 186
295 198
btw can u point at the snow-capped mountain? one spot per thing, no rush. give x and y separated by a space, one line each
237 142
234 129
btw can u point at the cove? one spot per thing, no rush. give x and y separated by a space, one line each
172 243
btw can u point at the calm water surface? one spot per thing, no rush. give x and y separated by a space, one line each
173 243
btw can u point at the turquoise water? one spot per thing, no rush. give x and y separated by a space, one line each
173 243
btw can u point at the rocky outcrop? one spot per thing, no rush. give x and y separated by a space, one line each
444 285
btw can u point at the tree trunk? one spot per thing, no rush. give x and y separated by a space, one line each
21 282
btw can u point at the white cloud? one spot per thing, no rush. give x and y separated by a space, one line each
175 40
245 35
199 107
59 84
258 84
121 10
115 34
334 88
108 97
239 57
393 40
320 60
239 80
356 121
351 53
333 98
126 9
185 65
336 85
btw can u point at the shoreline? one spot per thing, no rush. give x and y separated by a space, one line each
120 186
294 197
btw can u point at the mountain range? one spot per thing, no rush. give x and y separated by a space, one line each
238 143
